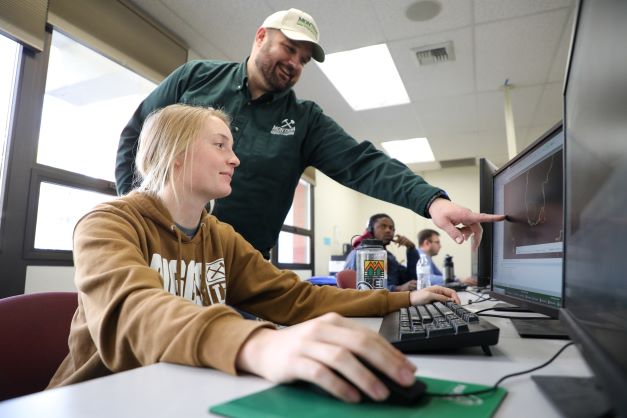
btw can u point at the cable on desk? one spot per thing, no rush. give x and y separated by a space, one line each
530 318
481 298
483 310
507 376
480 313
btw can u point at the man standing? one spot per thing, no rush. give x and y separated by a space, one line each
400 278
276 136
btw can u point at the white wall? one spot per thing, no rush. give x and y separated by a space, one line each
462 185
49 279
341 213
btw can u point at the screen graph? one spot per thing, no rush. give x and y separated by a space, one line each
533 204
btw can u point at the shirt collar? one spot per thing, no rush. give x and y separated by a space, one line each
241 83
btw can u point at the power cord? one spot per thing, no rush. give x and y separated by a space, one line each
496 385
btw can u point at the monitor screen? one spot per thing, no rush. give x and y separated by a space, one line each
483 255
527 253
595 120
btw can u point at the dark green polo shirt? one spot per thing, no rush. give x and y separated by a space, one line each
276 137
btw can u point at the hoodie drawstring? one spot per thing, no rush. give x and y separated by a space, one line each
179 267
203 270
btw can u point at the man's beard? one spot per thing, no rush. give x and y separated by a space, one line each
269 73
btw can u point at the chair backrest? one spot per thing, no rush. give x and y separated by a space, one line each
346 279
34 332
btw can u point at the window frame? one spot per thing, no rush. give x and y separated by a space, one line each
47 174
274 258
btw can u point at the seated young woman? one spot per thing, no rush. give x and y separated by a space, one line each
157 278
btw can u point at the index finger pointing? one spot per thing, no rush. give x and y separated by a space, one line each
487 217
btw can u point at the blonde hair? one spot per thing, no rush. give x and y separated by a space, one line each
166 134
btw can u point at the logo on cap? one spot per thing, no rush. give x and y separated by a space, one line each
308 25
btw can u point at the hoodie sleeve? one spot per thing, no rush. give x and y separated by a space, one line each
130 318
280 296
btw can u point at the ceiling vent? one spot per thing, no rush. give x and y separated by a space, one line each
460 162
435 54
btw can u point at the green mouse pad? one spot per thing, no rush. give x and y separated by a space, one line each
288 401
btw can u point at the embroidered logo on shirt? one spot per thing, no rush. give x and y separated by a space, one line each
190 286
287 128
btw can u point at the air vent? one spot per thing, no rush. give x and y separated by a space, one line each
435 54
460 162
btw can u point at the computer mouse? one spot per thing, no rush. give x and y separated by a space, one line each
399 395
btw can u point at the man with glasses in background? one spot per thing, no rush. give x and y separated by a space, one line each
429 246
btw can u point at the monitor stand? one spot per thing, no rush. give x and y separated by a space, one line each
540 328
506 307
534 328
574 397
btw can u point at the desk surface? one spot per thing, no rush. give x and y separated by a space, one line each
168 390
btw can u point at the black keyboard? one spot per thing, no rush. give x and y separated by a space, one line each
437 326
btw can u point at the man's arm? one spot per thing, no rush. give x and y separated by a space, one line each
166 93
362 167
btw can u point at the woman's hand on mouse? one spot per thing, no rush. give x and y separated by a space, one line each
312 350
433 294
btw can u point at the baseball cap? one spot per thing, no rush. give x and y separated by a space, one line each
298 26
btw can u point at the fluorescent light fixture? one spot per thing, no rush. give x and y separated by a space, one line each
415 150
366 77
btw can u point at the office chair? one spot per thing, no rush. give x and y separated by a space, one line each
34 332
346 279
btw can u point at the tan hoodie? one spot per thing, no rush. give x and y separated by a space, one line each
148 293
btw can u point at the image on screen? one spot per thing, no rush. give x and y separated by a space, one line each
527 255
533 204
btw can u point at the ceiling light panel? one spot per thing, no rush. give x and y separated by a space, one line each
408 151
366 77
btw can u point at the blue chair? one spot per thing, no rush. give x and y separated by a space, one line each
323 280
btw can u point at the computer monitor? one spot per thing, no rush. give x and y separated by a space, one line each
595 269
483 255
527 253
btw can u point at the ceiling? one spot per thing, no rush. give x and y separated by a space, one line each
458 105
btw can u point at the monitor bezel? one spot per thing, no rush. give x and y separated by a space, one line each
522 303
611 378
486 205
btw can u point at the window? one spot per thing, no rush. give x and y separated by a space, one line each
9 51
294 249
88 100
55 223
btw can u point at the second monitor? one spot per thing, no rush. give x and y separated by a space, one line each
527 253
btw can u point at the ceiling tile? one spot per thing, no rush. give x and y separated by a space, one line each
520 50
491 107
344 25
450 114
451 78
396 26
558 68
489 10
227 26
550 109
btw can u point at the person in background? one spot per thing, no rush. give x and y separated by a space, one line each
276 136
400 278
155 272
429 246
